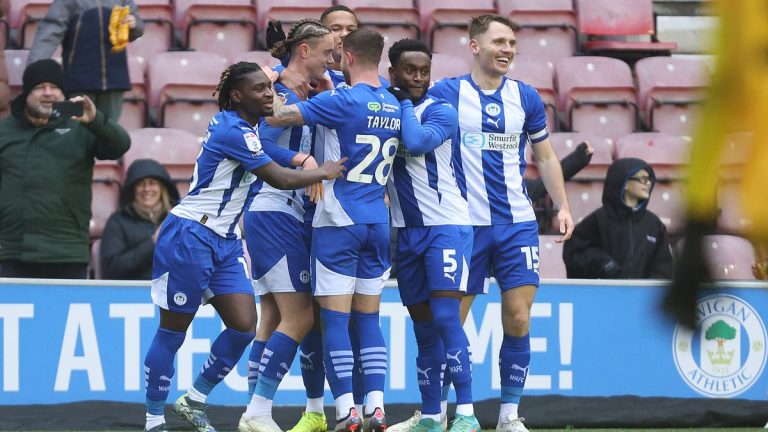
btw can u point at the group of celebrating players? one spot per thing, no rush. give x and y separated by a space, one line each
443 163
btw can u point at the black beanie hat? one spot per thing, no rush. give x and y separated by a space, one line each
46 70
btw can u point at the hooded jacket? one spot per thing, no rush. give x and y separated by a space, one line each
126 244
46 174
81 27
617 241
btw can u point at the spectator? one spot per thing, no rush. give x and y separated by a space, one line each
46 171
129 238
94 65
621 239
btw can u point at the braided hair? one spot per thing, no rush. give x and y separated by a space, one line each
303 30
230 78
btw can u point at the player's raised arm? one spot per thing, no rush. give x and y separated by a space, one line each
285 115
284 178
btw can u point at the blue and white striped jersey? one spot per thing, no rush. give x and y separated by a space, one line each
364 125
299 139
222 176
422 188
494 128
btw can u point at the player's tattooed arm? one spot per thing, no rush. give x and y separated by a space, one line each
285 115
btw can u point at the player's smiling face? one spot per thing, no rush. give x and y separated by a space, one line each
495 49
412 73
254 95
341 24
320 56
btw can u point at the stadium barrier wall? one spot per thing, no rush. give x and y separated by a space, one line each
65 341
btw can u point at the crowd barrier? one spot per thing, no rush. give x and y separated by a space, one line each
65 341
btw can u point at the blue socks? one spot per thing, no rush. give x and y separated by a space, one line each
158 368
337 351
429 365
514 357
254 360
373 358
225 352
358 383
445 313
312 367
275 363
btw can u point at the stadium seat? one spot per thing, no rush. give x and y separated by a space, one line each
669 91
395 19
287 12
134 114
224 27
446 21
622 18
731 218
262 58
24 16
547 27
105 200
551 265
596 95
181 84
107 171
735 155
668 203
730 257
158 29
667 154
175 149
584 198
539 74
95 263
564 143
15 63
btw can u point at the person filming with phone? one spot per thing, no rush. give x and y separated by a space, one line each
47 151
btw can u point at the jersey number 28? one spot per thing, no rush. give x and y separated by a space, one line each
388 151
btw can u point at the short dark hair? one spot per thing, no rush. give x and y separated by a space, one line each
365 44
230 78
480 23
406 45
337 8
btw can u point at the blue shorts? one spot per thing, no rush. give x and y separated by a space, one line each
279 256
350 259
192 263
510 251
432 258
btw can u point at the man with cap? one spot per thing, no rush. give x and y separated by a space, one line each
46 171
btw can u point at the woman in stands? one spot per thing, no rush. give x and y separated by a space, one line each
130 235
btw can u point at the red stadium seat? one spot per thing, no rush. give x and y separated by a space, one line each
181 84
669 90
15 63
596 95
443 66
539 75
551 265
547 27
107 171
584 198
288 12
24 16
564 143
158 29
735 155
668 203
395 20
667 154
731 219
446 21
730 257
224 27
262 58
619 18
96 259
105 200
134 114
175 149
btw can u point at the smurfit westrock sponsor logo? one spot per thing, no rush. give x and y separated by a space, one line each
726 353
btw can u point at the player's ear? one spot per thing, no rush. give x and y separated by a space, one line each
473 46
392 75
234 96
304 50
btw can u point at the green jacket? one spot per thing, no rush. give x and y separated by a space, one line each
45 185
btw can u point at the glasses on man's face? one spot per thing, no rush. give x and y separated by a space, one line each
642 179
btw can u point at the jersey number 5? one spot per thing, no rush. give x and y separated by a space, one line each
387 150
